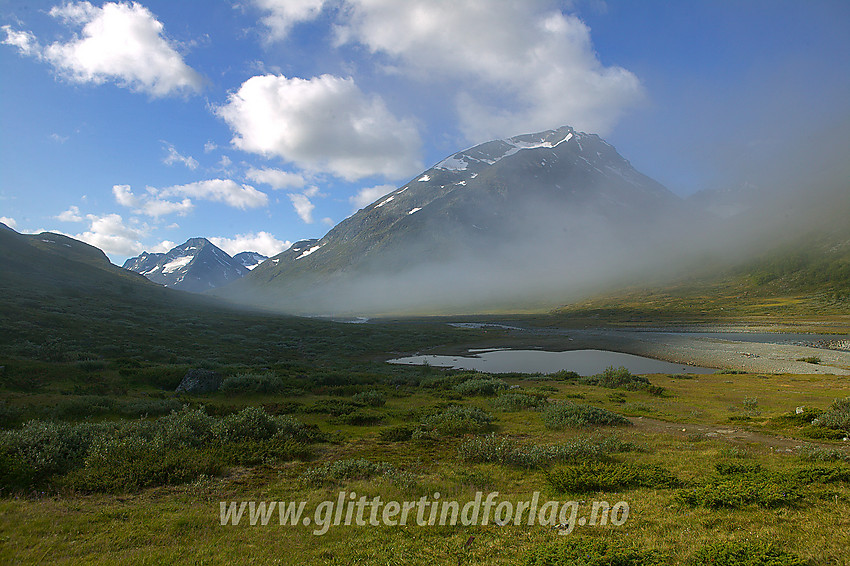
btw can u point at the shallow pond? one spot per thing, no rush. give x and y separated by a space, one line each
583 362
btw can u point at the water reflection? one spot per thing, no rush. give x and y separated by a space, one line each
584 362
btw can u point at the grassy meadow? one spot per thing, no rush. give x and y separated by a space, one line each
103 463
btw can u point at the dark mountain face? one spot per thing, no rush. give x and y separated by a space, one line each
507 218
195 266
249 260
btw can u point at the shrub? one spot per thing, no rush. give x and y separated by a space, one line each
564 375
519 401
558 416
837 416
355 469
8 413
131 463
40 450
456 420
505 450
149 407
755 553
84 406
609 476
617 378
582 551
483 386
266 383
399 433
361 417
818 454
333 407
372 397
740 490
450 381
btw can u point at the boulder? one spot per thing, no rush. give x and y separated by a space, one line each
200 381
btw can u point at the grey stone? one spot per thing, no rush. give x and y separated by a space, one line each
200 381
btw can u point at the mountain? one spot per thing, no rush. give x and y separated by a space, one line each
249 260
508 219
195 266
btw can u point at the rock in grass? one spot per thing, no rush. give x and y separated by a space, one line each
200 381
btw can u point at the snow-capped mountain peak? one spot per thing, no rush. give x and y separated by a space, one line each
196 265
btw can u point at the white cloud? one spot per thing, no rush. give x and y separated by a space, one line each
120 42
149 204
276 178
261 242
25 41
10 222
281 15
112 235
322 124
70 215
210 146
220 190
517 66
124 196
175 157
57 138
303 206
163 247
368 195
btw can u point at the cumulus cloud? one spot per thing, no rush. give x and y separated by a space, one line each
25 41
70 215
112 235
120 42
10 222
368 195
220 190
303 206
261 242
325 123
281 15
519 65
174 156
150 204
276 178
164 246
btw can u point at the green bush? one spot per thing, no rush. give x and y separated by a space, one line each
519 401
506 451
372 398
583 551
40 450
360 417
619 378
738 491
558 416
456 420
745 553
837 416
401 433
564 375
487 386
265 383
818 454
592 476
355 469
133 463
333 407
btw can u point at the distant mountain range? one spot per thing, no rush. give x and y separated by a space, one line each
501 221
196 266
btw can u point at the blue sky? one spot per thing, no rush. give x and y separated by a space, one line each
256 123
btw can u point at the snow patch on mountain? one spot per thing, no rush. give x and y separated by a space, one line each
176 264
